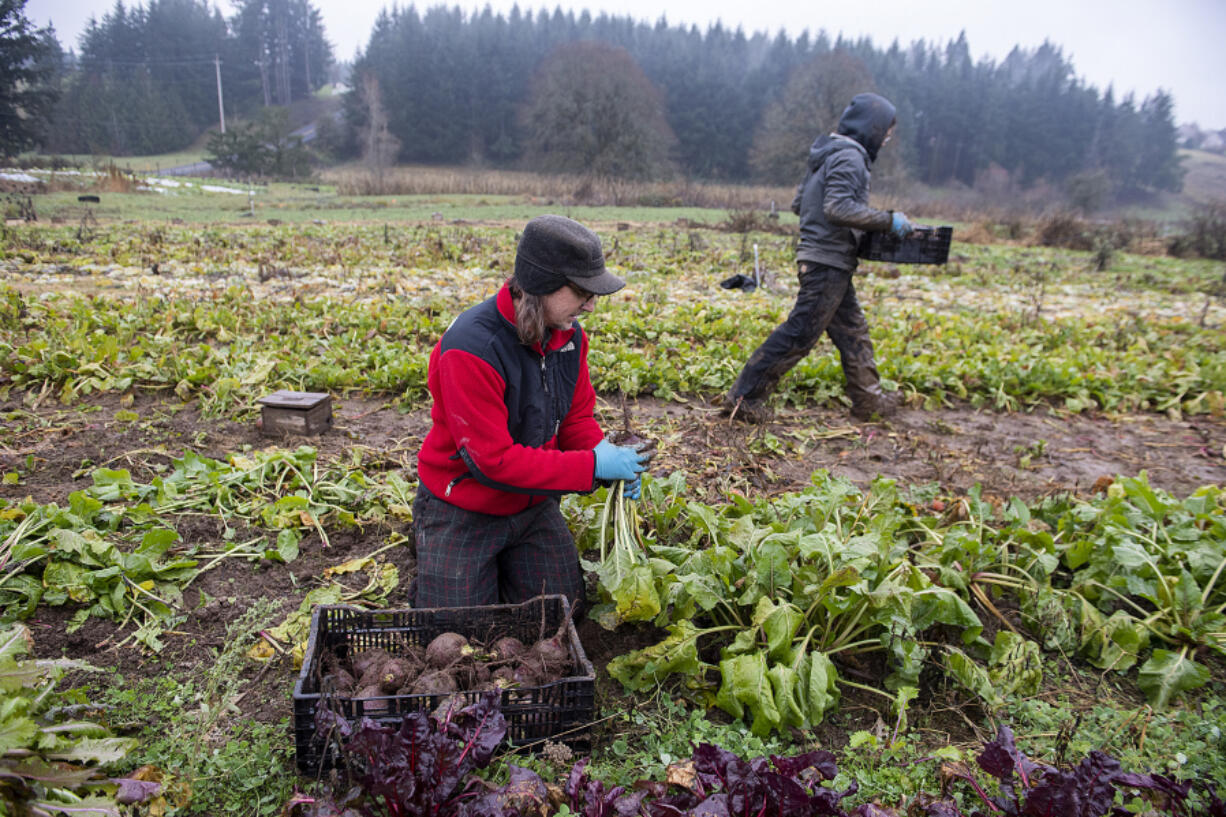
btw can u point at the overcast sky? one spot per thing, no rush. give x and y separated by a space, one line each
1133 45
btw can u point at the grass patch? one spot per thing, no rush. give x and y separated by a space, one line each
210 762
306 203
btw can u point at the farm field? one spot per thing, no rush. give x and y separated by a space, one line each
1037 540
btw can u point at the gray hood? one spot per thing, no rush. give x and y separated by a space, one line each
865 121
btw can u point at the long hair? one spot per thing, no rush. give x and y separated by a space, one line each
529 315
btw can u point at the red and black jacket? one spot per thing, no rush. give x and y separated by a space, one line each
512 424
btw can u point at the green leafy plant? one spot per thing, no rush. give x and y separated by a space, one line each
784 587
1151 568
51 759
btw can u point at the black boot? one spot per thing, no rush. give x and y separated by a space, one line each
875 406
742 408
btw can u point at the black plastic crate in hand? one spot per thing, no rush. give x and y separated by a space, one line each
925 245
562 710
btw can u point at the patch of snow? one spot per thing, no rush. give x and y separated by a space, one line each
212 188
18 177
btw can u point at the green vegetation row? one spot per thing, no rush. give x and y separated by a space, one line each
230 349
375 246
764 603
114 551
785 587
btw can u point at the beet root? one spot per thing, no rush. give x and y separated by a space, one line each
366 659
396 673
529 672
446 650
642 445
372 707
436 682
551 654
342 682
507 648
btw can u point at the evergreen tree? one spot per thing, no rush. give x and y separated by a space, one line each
29 61
1159 167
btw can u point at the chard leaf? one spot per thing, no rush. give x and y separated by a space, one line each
703 516
971 676
1168 674
677 653
632 590
1116 642
787 686
746 686
772 569
1059 617
821 691
1017 666
846 576
780 623
938 604
70 579
702 588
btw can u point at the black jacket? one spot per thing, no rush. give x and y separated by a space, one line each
832 200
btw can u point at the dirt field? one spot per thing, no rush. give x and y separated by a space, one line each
1026 455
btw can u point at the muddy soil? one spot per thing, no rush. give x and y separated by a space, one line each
54 448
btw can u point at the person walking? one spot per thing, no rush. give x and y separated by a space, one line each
513 430
832 202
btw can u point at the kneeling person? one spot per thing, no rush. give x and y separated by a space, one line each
513 429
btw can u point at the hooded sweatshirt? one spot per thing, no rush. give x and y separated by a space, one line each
832 201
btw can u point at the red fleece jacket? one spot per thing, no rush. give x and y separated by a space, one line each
511 424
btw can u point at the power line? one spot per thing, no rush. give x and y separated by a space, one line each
104 62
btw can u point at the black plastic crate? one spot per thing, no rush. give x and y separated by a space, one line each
925 245
562 710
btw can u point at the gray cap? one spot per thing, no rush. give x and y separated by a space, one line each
556 249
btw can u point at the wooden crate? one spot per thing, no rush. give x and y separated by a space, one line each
296 412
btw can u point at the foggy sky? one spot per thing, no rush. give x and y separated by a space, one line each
1133 45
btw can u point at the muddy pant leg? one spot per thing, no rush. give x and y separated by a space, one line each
821 292
457 554
849 331
541 557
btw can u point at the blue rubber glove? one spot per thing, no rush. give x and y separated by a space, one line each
617 462
633 489
900 226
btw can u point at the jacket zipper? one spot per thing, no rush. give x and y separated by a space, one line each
557 423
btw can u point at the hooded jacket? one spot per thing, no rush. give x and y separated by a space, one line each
512 424
832 201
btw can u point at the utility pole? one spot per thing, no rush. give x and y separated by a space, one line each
221 109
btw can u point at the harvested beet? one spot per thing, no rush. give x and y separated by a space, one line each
446 650
396 673
372 707
507 648
529 672
504 677
551 654
366 659
639 444
342 682
435 683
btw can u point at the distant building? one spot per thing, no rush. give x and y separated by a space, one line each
1189 136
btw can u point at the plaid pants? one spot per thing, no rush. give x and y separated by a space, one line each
467 559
